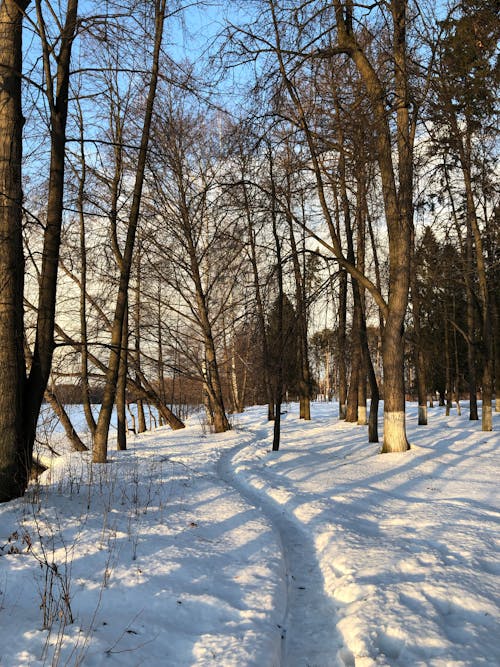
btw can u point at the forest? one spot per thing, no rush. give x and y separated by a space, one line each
237 203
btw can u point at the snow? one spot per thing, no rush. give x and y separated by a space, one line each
201 549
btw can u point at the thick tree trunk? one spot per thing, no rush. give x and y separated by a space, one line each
14 463
397 190
398 207
141 416
394 391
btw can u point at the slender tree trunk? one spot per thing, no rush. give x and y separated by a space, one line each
374 402
280 342
471 334
362 394
301 311
212 379
399 214
103 423
84 372
261 319
470 338
76 443
14 463
486 331
121 389
141 417
475 243
352 394
447 362
457 368
57 100
161 366
144 388
361 207
496 330
357 368
342 344
278 379
419 355
378 283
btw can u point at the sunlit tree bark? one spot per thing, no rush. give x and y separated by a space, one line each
14 460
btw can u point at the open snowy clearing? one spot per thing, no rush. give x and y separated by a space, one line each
195 549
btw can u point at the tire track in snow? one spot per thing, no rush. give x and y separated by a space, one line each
309 634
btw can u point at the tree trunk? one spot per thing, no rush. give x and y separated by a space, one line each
342 344
457 369
277 421
419 355
486 331
84 367
121 390
397 189
261 319
76 444
57 89
103 423
447 362
471 334
212 379
374 402
352 394
141 417
278 374
14 463
361 214
398 207
394 391
301 311
496 329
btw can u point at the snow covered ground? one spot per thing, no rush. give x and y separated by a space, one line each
199 549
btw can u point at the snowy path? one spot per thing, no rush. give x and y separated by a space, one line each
310 638
194 550
407 544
